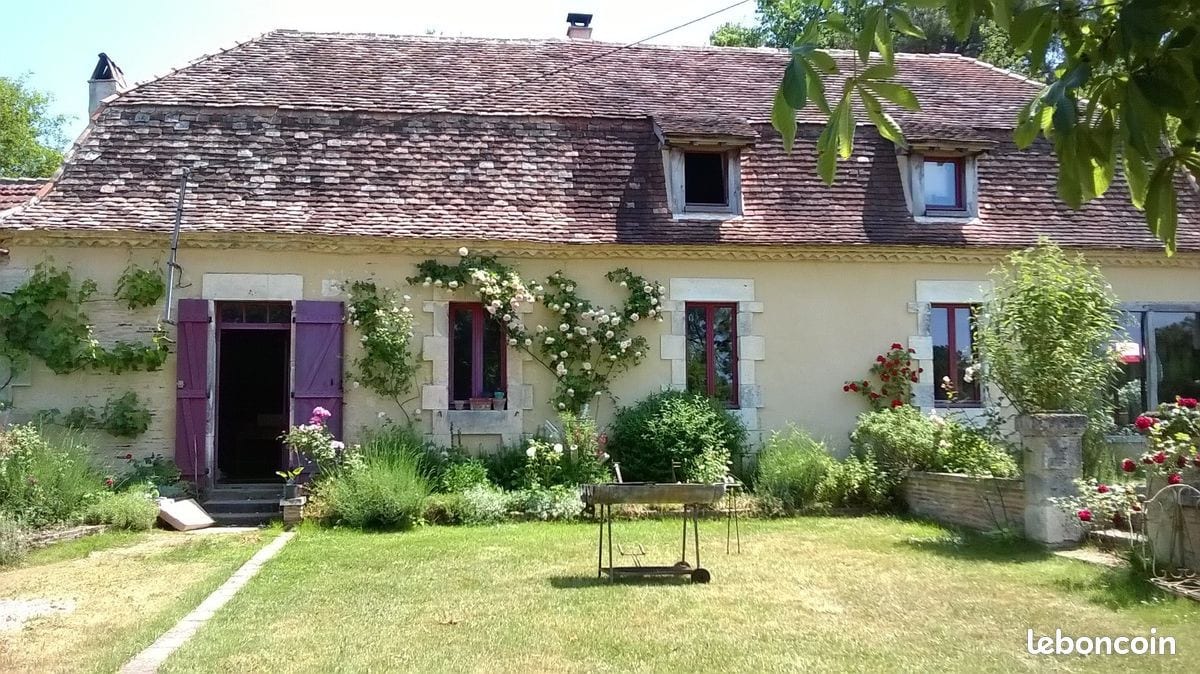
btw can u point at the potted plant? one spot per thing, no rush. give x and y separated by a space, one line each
478 404
459 405
1046 339
498 401
290 488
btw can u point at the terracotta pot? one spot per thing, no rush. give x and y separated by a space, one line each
478 404
499 403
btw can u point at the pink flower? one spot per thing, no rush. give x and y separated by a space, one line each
897 403
1181 461
1102 489
1143 423
896 345
1189 403
1085 515
1174 478
321 412
1128 465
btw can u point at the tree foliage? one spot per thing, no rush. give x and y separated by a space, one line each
780 22
29 134
1123 87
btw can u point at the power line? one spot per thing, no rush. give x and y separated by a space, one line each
597 57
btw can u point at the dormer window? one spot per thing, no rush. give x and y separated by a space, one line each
702 158
944 181
941 182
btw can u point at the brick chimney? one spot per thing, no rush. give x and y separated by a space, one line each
107 79
579 26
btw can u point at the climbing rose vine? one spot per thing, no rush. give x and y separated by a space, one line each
895 373
1173 441
385 323
584 344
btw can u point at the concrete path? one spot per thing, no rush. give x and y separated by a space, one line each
157 653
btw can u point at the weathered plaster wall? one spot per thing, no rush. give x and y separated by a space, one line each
820 323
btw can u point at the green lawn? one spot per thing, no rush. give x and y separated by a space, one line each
805 594
127 588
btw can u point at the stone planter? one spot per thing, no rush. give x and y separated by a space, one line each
1053 445
480 404
293 510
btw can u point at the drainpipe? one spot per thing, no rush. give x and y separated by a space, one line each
172 265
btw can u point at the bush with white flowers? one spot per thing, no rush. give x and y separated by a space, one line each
585 345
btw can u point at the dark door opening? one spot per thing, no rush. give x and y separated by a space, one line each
252 402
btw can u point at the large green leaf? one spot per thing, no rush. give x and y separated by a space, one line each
896 93
1002 13
884 123
794 87
962 17
1026 23
1139 120
1070 166
845 127
865 39
883 39
1027 123
783 118
1162 216
827 153
816 89
822 62
903 23
1137 175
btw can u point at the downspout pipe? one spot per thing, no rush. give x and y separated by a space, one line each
172 264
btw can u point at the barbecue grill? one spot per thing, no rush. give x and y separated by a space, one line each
602 497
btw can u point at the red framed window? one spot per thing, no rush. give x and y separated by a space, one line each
956 376
712 360
477 353
944 180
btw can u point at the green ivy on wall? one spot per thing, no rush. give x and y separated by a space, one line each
139 287
386 365
43 318
124 416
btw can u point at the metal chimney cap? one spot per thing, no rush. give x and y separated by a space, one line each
581 20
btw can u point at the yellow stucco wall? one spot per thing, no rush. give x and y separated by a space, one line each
822 322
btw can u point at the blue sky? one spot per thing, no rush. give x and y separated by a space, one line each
56 48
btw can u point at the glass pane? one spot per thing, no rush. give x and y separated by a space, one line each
704 178
461 345
231 313
968 380
939 329
493 356
1177 354
724 354
255 312
941 184
697 353
280 313
1129 394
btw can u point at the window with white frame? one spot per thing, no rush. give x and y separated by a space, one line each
1159 353
941 184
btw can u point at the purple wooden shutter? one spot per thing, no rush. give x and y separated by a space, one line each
191 389
318 375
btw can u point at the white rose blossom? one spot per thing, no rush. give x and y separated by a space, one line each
462 252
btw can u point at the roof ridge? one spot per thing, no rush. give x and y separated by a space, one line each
22 179
190 64
991 66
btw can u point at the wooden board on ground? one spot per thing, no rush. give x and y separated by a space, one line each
183 515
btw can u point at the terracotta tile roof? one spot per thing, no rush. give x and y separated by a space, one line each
343 135
389 73
16 191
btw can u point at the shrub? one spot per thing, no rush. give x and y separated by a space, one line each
1046 334
554 503
792 468
484 505
898 440
133 510
44 480
506 467
674 426
444 508
384 488
460 476
857 483
156 470
963 449
13 541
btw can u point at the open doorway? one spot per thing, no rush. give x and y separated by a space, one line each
252 389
